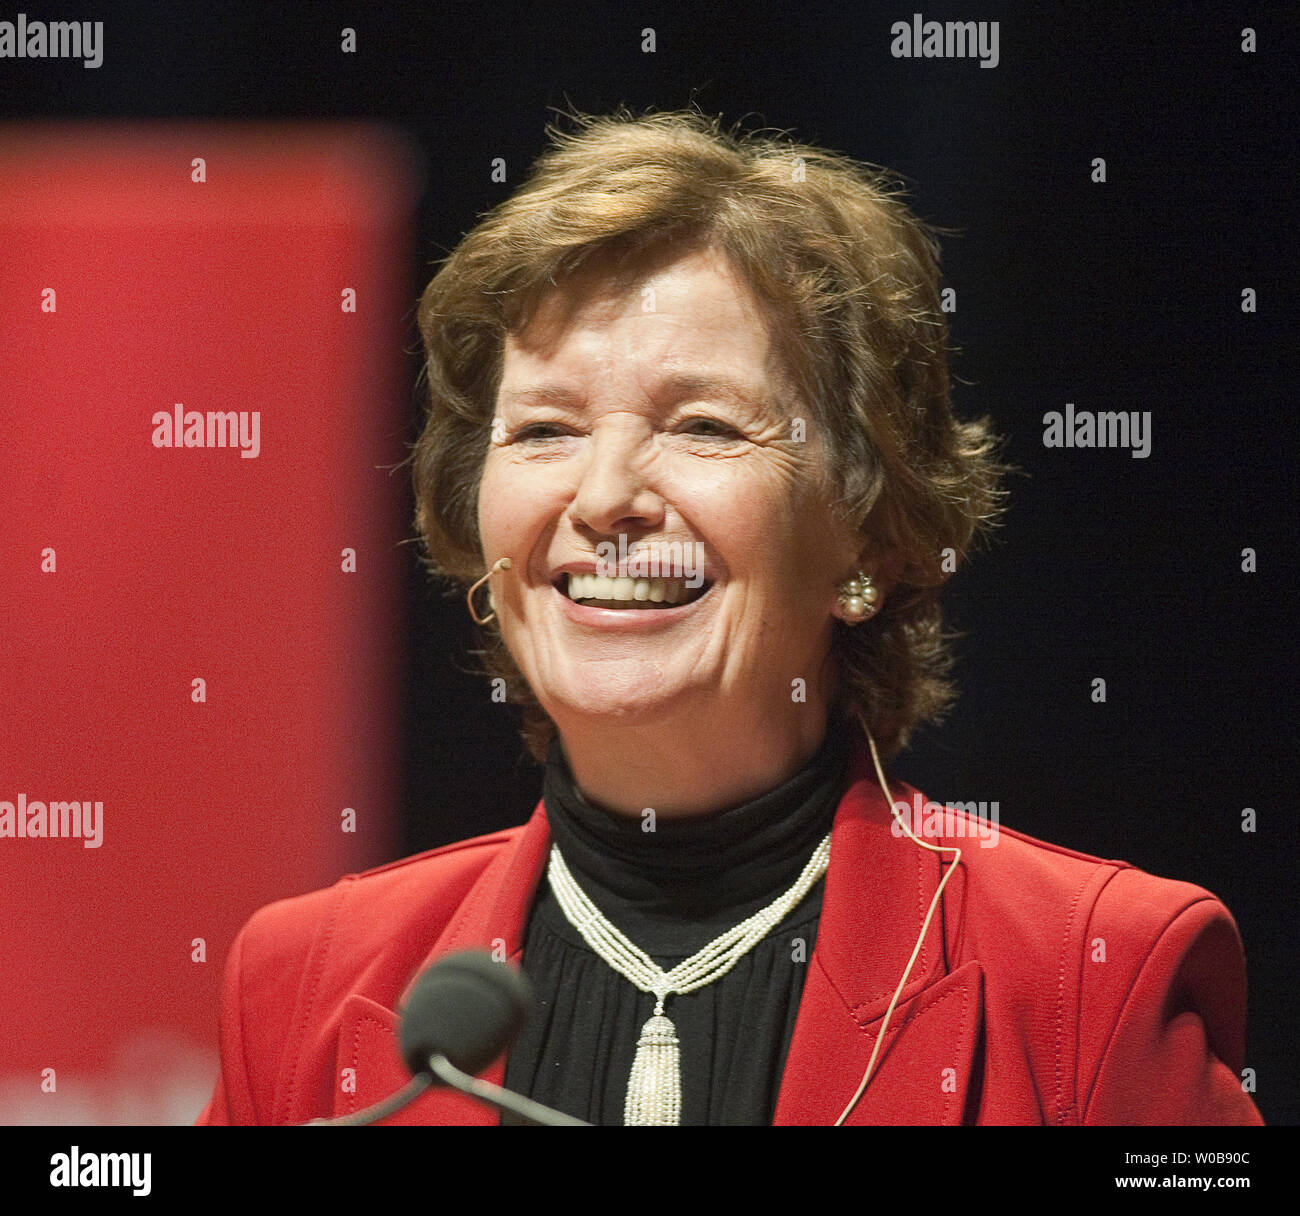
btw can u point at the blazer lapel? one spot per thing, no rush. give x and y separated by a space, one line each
878 891
492 917
922 1074
368 1046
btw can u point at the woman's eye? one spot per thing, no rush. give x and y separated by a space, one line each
705 428
536 430
712 428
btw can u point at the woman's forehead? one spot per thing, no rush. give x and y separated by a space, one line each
693 316
663 281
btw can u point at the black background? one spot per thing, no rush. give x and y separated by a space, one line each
1116 296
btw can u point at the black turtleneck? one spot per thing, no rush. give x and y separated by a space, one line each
672 891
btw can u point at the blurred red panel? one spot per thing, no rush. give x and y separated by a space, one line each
179 563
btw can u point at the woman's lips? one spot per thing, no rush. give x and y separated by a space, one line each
638 594
631 619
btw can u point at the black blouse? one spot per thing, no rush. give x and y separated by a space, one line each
672 891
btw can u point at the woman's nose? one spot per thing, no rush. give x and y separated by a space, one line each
614 493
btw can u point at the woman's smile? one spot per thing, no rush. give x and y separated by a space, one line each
635 612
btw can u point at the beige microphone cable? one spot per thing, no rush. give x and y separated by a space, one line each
916 950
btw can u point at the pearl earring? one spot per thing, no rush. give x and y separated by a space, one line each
859 599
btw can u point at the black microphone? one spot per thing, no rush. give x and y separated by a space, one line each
466 1007
462 1013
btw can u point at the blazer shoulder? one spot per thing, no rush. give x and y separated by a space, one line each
1115 977
377 923
1041 907
1014 869
387 893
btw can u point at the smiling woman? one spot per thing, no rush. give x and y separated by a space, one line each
754 322
689 419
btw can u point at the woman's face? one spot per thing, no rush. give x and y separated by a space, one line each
659 413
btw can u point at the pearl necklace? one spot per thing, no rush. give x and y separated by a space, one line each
654 1094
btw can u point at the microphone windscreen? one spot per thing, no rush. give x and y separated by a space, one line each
467 1007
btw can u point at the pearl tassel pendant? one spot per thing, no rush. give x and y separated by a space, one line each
654 1089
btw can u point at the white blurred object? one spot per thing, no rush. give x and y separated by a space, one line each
157 1079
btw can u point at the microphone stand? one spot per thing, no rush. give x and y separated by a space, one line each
502 1099
446 1072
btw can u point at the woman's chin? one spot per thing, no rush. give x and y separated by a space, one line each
633 692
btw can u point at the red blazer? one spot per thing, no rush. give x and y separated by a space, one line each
1052 987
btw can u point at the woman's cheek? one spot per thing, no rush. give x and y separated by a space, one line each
501 499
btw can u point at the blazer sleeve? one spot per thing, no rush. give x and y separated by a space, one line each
264 973
1162 1033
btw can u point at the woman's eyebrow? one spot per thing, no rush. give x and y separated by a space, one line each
670 388
683 384
542 394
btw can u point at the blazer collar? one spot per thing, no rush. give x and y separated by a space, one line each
878 891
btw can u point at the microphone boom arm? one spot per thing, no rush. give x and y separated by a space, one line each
502 1099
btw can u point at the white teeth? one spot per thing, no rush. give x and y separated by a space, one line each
601 587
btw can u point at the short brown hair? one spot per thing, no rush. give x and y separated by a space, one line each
851 275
